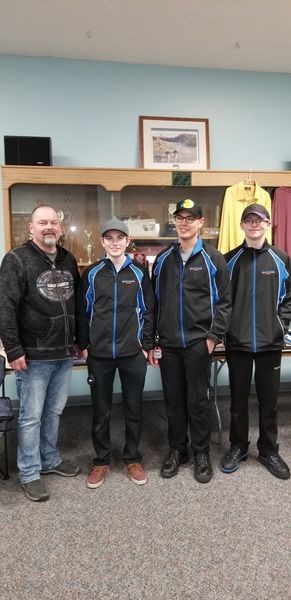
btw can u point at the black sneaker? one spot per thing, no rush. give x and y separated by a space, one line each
276 465
202 467
230 461
65 469
35 491
170 466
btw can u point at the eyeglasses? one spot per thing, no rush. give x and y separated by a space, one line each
251 221
188 219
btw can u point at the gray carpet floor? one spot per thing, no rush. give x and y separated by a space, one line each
169 540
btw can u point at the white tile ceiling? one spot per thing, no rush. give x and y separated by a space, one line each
229 34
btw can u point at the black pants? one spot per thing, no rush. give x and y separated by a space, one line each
185 377
132 372
267 381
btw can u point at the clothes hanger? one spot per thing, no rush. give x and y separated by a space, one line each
249 182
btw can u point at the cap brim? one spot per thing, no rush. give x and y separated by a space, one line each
255 212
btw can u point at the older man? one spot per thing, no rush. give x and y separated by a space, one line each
37 287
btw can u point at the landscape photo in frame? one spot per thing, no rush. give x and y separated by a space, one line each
174 143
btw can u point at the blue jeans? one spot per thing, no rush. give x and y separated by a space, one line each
43 392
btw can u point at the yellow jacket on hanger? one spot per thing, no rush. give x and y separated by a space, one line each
236 198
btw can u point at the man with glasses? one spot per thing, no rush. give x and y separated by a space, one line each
261 294
192 289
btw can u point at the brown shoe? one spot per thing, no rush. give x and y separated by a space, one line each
136 473
97 475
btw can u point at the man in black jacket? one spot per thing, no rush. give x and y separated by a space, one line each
115 323
261 294
38 281
192 290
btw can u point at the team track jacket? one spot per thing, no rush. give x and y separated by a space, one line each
261 292
194 300
115 309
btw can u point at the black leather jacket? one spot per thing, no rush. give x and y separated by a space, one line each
37 309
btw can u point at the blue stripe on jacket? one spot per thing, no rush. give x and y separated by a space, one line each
90 292
283 276
158 268
141 305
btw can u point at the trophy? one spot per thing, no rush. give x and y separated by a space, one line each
170 229
89 246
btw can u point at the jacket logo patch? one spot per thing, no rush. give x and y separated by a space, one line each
268 272
56 286
195 268
128 281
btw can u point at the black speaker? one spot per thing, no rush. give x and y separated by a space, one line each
26 150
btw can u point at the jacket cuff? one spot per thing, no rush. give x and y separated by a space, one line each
15 353
147 346
286 325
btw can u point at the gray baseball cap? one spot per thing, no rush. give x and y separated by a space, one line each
115 224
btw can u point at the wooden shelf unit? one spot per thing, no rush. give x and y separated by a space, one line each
131 183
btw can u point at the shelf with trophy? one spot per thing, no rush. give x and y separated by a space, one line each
147 209
149 216
148 213
81 210
89 196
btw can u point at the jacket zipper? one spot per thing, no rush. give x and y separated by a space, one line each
254 303
114 314
182 269
54 269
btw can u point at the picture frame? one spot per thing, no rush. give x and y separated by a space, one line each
174 143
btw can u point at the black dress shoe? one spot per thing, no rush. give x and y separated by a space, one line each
276 465
202 467
233 456
170 466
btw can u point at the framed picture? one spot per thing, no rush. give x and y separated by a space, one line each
174 143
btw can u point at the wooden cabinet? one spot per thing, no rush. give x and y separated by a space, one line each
88 197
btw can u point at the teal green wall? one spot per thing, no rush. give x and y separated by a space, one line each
91 109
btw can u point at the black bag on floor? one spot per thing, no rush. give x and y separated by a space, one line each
6 412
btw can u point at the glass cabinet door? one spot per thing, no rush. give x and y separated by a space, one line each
81 210
148 211
149 215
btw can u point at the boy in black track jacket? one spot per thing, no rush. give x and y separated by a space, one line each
115 323
261 294
192 289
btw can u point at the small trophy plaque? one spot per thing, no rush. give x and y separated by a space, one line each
170 229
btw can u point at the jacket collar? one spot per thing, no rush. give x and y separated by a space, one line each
240 193
127 261
197 248
35 248
263 248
